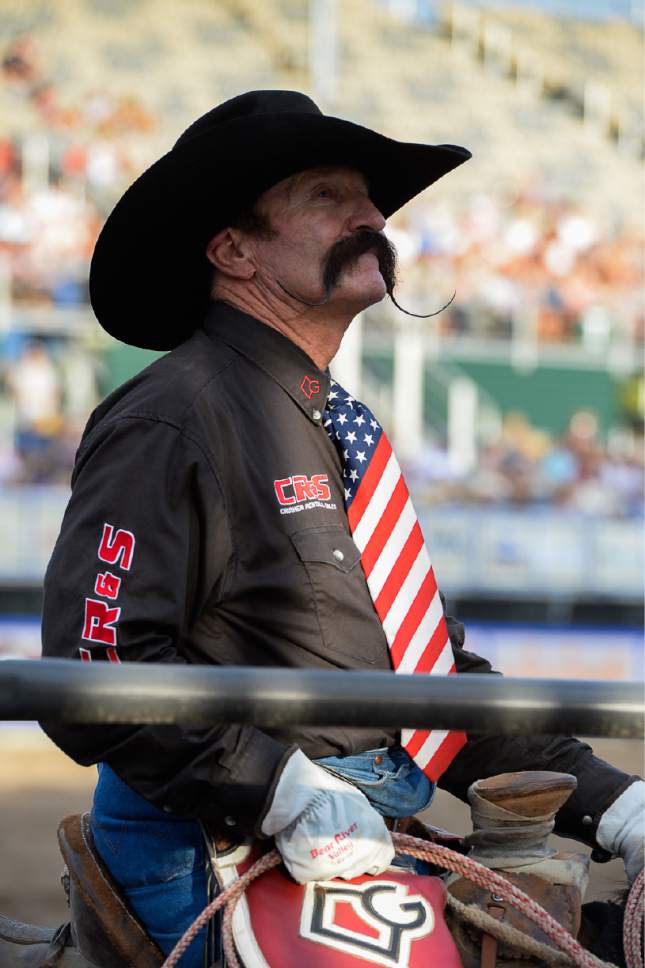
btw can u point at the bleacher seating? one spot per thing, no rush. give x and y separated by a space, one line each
414 81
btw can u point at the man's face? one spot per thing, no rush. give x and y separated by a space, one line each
311 212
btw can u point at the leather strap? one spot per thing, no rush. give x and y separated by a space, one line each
489 943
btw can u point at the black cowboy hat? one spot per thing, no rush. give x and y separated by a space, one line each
150 278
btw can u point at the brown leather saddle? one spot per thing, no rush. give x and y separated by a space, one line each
102 931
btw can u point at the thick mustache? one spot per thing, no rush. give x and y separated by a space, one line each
347 251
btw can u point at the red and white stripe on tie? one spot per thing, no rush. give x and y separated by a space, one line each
401 582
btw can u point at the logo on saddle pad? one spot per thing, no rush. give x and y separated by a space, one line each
377 921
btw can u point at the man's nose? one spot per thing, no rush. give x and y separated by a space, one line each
365 215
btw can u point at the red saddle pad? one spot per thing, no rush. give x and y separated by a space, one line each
395 919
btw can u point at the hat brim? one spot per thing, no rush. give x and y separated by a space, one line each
149 276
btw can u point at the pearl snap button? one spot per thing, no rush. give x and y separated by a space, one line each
230 821
316 415
338 554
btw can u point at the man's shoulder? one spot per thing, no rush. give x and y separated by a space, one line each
172 387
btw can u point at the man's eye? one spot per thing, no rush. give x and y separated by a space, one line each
324 192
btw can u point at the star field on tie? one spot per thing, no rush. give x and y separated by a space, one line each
395 560
355 435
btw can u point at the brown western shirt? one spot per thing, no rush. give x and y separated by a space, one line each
207 525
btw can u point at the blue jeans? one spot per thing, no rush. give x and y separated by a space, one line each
393 784
160 860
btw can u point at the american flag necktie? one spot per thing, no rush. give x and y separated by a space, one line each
396 563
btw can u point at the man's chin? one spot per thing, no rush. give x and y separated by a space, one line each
356 300
367 289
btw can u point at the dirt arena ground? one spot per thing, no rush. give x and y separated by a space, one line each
38 786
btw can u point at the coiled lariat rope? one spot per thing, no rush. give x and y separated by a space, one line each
571 952
633 923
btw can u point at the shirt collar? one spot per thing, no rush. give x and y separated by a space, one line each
274 353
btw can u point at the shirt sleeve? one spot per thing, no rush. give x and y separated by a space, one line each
144 546
484 755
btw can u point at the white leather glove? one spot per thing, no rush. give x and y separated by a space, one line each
323 826
622 828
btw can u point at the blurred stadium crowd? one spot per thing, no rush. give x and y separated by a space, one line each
582 281
57 184
523 257
527 467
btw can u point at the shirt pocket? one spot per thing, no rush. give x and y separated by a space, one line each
348 623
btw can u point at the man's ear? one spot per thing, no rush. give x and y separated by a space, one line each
230 254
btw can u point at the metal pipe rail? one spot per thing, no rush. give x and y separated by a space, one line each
140 693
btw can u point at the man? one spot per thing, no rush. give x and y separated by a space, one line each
208 519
